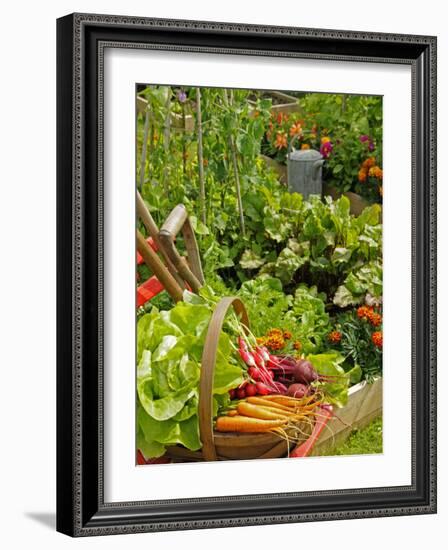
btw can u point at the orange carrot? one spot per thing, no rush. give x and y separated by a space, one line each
268 403
246 425
233 412
256 411
291 402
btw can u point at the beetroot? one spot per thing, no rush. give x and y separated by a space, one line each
304 372
241 393
298 390
232 394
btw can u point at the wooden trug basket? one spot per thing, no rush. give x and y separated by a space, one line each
225 446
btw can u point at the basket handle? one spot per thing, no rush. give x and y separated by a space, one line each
208 370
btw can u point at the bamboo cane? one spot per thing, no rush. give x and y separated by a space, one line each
236 175
153 230
144 149
201 158
160 271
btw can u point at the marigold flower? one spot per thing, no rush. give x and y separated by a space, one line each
362 175
297 345
274 332
368 163
376 172
377 338
296 129
261 341
287 335
335 337
374 319
281 140
363 312
304 146
325 139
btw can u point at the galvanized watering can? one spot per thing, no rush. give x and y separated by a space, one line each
304 171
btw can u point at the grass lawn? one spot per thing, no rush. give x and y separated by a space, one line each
368 440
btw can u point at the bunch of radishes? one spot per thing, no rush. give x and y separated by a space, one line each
270 374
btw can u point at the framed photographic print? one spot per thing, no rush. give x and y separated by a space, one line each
246 274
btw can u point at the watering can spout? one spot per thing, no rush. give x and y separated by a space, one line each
316 166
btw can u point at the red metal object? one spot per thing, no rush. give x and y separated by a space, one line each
152 244
148 290
161 460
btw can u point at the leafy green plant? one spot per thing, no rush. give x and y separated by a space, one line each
357 335
169 351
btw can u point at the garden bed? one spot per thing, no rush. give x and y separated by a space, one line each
364 404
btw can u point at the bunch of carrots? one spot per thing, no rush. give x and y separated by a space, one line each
270 413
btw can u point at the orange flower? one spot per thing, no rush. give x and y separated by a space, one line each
205 162
335 337
375 319
287 335
296 129
297 345
304 146
281 140
376 172
261 341
377 339
282 117
363 312
274 339
256 113
325 139
368 163
362 175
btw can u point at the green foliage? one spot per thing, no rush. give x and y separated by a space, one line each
365 441
169 351
352 124
357 345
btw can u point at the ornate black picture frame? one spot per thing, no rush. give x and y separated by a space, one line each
81 39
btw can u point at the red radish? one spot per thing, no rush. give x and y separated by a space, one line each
248 358
262 389
254 373
241 393
263 353
298 390
251 390
242 344
232 394
259 361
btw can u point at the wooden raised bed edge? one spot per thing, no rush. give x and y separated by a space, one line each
365 403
